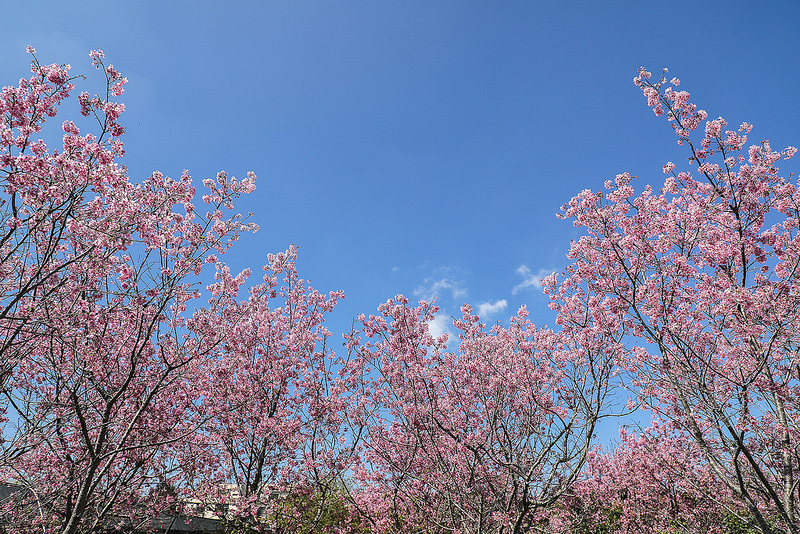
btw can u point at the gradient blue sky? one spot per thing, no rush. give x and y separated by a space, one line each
417 147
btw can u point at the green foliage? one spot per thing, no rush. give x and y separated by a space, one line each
735 525
323 511
302 512
603 521
608 521
241 525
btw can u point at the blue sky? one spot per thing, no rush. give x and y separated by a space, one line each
417 147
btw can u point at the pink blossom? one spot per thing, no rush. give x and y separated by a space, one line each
696 281
111 359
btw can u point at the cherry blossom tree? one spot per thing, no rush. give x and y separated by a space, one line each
100 356
652 481
482 439
271 438
700 279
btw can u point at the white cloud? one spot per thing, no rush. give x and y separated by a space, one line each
488 308
431 288
440 324
530 279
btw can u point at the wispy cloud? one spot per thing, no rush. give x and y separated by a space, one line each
431 288
530 279
489 308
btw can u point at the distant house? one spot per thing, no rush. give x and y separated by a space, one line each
163 524
6 490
